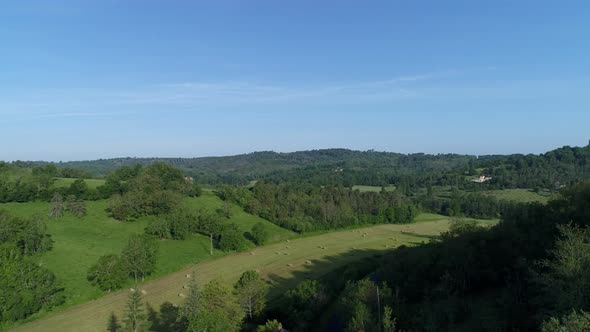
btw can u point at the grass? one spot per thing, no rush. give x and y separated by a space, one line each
424 217
376 189
245 221
66 182
519 195
78 243
283 264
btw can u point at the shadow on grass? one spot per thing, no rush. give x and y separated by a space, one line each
333 272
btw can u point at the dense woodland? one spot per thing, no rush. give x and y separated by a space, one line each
527 273
334 167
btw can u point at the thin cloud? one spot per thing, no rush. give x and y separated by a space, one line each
81 102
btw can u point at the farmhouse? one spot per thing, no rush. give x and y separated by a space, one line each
482 179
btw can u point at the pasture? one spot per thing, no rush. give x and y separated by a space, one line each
66 182
282 264
78 243
520 195
375 189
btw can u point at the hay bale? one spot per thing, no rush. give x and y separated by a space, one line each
143 292
252 253
185 286
307 262
188 276
131 290
180 295
289 264
277 252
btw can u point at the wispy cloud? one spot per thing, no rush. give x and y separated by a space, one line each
97 102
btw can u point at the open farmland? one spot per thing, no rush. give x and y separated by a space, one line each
282 264
78 243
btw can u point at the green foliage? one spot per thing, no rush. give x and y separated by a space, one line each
307 208
224 211
139 256
25 287
305 302
76 206
360 319
565 276
29 235
108 273
251 291
192 305
270 326
159 228
214 308
574 322
135 319
389 322
487 279
362 301
156 190
260 234
231 238
194 189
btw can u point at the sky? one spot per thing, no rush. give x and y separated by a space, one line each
98 79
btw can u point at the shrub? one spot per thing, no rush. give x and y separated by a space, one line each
260 233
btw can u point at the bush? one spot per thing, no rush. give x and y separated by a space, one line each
108 273
231 238
159 228
260 234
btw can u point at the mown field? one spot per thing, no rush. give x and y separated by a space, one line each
78 243
519 195
376 189
66 182
283 264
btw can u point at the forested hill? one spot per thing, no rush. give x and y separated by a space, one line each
256 165
554 168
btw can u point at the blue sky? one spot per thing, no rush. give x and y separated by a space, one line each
99 79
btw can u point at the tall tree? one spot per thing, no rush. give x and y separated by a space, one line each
251 291
190 309
218 310
57 206
135 318
139 256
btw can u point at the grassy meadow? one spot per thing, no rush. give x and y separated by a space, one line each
78 243
376 189
282 264
66 182
520 195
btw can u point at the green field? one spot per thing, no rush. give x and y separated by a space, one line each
91 183
80 242
282 264
376 189
519 195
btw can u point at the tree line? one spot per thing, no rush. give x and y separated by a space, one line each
309 208
25 286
